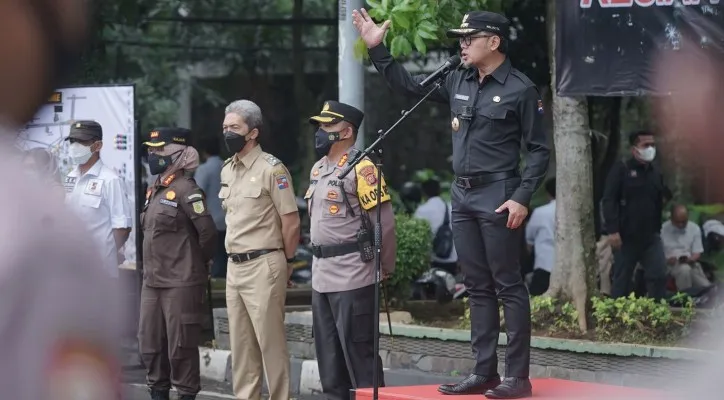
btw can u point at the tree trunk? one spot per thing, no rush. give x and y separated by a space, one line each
574 274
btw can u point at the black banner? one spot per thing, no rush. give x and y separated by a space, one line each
607 47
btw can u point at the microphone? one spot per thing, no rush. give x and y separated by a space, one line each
445 69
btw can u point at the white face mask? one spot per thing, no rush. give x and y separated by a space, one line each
647 154
79 154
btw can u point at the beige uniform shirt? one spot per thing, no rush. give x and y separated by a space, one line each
60 315
332 222
256 191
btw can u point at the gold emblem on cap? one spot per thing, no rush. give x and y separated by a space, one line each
496 99
154 134
455 124
326 106
464 24
77 125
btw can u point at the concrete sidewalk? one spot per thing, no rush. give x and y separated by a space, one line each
304 374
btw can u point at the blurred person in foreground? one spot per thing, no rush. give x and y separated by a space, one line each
43 167
59 319
540 236
179 239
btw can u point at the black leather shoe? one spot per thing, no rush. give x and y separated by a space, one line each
473 384
159 394
511 388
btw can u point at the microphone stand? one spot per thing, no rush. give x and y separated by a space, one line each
375 147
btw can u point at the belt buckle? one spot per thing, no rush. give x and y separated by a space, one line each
466 181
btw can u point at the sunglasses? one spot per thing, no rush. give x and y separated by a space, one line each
467 40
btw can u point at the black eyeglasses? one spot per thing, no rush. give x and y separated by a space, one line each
467 40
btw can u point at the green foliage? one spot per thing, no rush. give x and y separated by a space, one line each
552 315
397 205
414 245
634 320
626 319
417 24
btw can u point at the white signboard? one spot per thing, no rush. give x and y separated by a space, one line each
110 106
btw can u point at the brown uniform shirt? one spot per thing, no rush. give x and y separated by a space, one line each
179 235
255 191
333 223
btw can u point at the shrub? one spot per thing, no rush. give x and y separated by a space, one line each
414 245
641 320
627 319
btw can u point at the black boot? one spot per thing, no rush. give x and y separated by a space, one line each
159 394
473 384
511 388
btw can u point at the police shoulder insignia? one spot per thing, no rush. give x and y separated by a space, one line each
271 159
343 160
198 207
228 160
366 175
169 179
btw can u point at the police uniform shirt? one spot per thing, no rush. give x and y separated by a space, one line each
99 199
256 190
488 119
333 221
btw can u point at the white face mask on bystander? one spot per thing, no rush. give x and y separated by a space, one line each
79 154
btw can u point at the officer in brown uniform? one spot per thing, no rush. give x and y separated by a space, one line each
179 239
343 272
262 234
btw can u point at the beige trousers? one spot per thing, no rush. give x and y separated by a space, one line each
255 298
688 276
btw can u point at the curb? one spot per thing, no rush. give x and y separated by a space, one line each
304 374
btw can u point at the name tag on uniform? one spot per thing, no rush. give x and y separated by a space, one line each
69 183
168 202
462 97
94 187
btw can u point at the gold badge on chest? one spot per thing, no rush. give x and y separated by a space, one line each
455 124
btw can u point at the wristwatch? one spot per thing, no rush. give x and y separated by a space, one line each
290 260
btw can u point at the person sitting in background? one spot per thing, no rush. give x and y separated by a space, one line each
540 234
437 212
683 247
43 164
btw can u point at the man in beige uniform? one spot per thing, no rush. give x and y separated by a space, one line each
262 235
58 319
343 273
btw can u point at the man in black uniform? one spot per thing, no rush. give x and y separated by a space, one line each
633 200
493 107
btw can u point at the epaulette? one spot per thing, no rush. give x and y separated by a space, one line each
271 159
228 160
523 77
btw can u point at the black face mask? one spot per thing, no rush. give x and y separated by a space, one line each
323 141
158 164
234 142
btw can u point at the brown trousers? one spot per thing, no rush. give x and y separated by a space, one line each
169 335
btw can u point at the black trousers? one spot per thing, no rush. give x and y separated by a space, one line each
650 253
221 259
489 254
344 342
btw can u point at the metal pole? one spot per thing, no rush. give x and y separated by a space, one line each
350 70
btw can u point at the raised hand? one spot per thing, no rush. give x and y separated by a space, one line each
370 33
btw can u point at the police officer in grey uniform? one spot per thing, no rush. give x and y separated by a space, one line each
493 108
343 270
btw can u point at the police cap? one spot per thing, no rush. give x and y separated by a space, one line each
163 136
85 130
334 111
476 21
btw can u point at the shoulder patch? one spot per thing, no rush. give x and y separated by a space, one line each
195 196
271 159
366 176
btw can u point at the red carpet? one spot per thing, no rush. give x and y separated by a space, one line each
543 389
